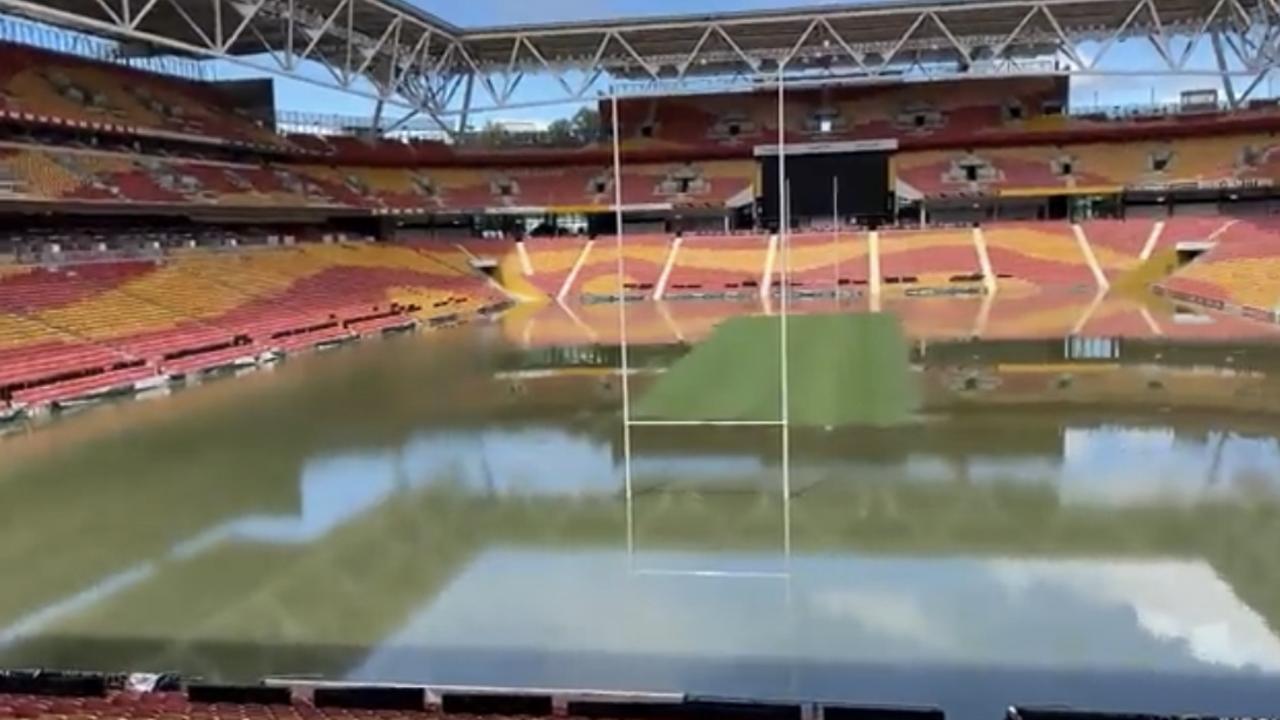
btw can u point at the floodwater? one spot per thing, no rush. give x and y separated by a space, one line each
1092 521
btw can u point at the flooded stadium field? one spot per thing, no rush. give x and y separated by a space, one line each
1081 505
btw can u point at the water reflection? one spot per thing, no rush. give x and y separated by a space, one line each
1166 615
1107 540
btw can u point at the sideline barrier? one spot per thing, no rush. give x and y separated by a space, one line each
53 684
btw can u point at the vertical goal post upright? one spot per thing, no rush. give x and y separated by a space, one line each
782 283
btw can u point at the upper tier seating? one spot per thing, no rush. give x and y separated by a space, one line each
49 174
896 110
45 173
1088 167
77 91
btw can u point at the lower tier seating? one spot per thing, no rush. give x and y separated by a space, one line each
77 330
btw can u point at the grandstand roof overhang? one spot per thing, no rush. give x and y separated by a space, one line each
406 56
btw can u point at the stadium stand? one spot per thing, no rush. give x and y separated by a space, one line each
841 113
1096 167
199 309
551 260
97 138
1194 229
929 259
721 267
1118 245
42 86
820 263
595 275
996 170
1039 255
1242 270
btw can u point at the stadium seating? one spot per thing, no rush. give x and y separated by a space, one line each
1038 256
708 184
1194 229
70 90
1242 270
1118 244
844 113
818 263
720 266
199 309
1089 167
550 260
929 259
644 257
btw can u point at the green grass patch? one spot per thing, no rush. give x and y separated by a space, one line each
843 369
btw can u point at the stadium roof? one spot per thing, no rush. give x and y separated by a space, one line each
409 53
769 32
